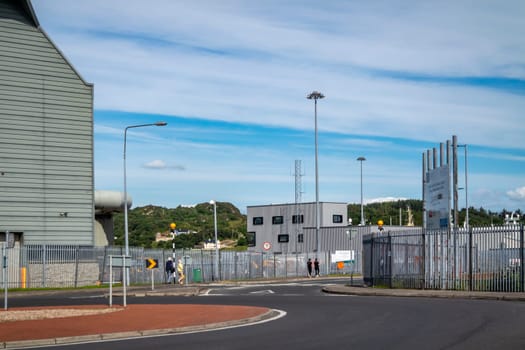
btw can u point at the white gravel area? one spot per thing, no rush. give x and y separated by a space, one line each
24 315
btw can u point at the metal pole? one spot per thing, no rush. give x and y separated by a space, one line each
4 270
216 241
361 159
126 280
522 258
110 280
126 242
126 233
362 216
317 214
455 199
466 188
423 184
315 96
470 277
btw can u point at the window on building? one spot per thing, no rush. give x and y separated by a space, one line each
297 219
283 238
300 238
277 220
337 219
258 220
250 238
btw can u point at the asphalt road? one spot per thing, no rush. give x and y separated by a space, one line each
320 321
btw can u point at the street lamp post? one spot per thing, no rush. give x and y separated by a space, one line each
212 202
362 159
315 95
125 186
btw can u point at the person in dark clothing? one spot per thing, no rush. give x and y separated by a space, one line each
170 269
309 266
316 267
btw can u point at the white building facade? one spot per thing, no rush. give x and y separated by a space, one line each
291 228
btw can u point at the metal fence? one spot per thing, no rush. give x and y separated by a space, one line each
61 266
476 259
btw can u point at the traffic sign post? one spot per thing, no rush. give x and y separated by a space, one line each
118 261
152 264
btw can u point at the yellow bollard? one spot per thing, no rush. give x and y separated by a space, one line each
23 275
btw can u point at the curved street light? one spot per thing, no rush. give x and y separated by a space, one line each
316 95
125 185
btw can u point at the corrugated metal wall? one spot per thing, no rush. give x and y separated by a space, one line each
268 232
46 143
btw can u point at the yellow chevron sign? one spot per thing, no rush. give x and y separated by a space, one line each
152 263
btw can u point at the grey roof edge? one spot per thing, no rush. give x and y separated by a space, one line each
28 7
26 4
285 204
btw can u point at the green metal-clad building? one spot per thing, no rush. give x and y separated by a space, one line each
46 136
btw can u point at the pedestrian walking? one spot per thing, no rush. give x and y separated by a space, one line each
316 267
180 271
309 267
170 270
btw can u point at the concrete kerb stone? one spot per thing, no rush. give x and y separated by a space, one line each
163 291
28 343
78 339
367 291
121 335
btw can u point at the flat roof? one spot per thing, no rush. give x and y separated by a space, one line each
286 204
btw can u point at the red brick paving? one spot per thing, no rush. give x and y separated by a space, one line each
135 317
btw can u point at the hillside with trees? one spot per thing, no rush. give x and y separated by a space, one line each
196 224
396 213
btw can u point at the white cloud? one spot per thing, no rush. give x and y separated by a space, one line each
160 164
227 69
383 200
389 71
518 193
156 164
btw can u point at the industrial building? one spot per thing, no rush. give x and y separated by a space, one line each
291 228
46 150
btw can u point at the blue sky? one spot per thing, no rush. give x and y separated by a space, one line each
231 78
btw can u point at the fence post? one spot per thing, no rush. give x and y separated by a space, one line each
470 277
389 261
219 265
76 265
274 266
103 267
372 260
44 265
202 267
235 259
522 256
261 264
250 265
424 255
